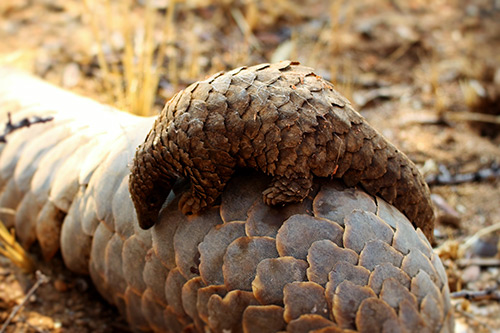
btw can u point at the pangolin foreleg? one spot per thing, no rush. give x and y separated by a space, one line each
208 180
150 180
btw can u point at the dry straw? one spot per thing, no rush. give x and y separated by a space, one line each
12 250
131 82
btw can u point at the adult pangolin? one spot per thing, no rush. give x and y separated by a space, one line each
281 119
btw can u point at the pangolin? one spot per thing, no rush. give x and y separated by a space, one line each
281 119
339 261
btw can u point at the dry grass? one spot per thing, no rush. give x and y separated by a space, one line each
342 15
472 91
12 250
131 64
154 47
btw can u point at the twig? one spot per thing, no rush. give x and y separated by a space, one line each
472 295
40 279
26 122
484 262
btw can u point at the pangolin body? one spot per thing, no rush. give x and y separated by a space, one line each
281 119
339 261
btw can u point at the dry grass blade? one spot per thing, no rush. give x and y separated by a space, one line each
334 43
472 91
167 48
147 74
106 80
12 250
132 82
473 116
9 211
341 69
245 28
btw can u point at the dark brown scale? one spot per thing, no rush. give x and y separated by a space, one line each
281 119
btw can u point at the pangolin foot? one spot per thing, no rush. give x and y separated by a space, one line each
285 190
191 203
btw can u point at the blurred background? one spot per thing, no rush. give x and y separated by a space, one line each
136 54
425 73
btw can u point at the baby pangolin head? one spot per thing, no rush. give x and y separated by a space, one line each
148 199
148 187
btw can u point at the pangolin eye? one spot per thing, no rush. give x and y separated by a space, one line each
153 201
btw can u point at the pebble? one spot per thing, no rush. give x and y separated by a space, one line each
471 273
71 75
60 285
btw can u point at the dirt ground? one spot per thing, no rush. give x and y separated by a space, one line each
425 73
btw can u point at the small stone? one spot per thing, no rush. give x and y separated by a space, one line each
471 273
71 75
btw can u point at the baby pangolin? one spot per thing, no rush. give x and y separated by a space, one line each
281 119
